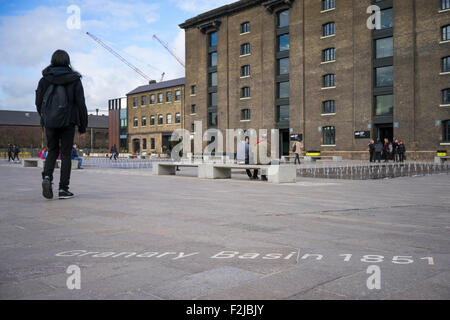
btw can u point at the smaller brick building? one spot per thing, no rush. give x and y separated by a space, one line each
154 112
23 129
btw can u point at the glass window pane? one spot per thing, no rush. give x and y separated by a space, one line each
384 105
213 59
386 18
384 47
213 99
213 79
283 42
283 89
283 19
283 66
212 118
283 113
384 76
213 39
446 96
446 64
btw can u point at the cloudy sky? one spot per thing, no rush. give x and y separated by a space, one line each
31 30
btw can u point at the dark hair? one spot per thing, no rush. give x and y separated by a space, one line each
60 58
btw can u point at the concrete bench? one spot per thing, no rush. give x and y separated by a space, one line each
323 158
169 168
439 160
40 163
274 173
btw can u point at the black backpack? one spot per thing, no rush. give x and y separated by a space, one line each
55 109
294 147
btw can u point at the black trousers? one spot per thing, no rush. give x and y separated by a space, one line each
401 156
10 156
377 156
372 156
59 140
297 158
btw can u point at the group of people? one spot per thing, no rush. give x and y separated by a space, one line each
388 150
13 153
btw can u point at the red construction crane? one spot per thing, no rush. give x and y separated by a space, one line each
165 45
104 45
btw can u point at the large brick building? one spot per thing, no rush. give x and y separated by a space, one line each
315 68
154 112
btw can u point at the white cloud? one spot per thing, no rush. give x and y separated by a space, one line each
33 36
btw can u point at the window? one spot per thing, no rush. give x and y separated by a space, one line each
212 99
212 118
328 55
143 100
445 4
160 119
328 29
245 92
384 48
245 71
245 49
212 59
194 89
152 99
327 4
169 118
193 108
178 95
135 122
283 66
283 90
160 97
329 80
212 79
283 19
245 114
446 131
446 96
213 39
445 31
152 120
386 19
144 143
446 64
135 102
144 121
283 42
152 143
169 96
177 117
328 135
329 106
282 113
384 105
245 27
384 76
192 127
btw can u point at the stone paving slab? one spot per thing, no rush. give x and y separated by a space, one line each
243 239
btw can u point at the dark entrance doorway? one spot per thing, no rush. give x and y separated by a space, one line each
383 131
284 142
136 145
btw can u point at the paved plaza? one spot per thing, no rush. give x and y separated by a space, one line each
138 236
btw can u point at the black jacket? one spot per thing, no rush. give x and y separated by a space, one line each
75 93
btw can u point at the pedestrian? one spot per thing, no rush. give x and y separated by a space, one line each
43 153
247 157
113 152
401 151
74 156
60 103
378 150
16 152
87 153
395 150
391 151
297 148
372 150
386 150
10 152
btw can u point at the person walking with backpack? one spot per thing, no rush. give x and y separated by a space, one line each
113 152
378 150
297 148
60 103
